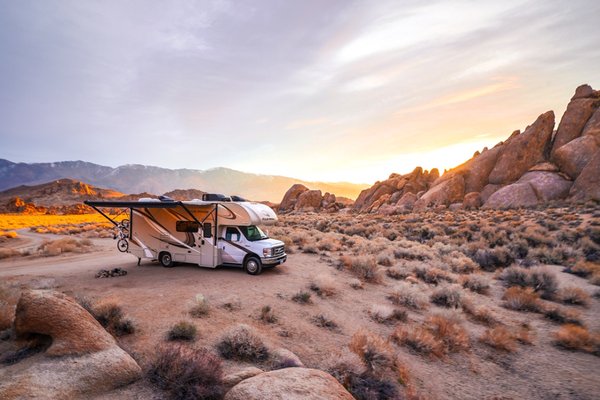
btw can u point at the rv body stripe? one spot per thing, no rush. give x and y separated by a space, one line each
236 245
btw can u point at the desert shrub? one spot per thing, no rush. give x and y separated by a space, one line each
460 263
574 295
519 248
419 339
584 269
397 272
492 259
386 259
590 250
447 296
344 365
110 316
544 281
373 350
324 285
476 283
384 314
500 338
232 303
356 284
7 253
369 387
241 342
480 314
562 315
187 373
520 299
302 297
182 330
364 267
405 294
267 315
449 331
577 338
64 245
515 276
432 275
310 249
323 321
201 307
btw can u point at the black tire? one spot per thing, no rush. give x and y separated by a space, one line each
166 260
122 245
252 265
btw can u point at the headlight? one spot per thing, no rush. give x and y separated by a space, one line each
267 252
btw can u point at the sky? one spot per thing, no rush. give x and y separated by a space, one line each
320 90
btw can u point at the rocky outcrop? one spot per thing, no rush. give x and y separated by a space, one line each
290 384
82 358
527 169
523 151
301 198
580 109
587 184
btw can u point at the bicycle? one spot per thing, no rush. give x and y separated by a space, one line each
122 232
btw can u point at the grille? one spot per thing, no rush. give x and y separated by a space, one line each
278 251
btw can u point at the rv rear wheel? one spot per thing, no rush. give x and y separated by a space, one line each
165 259
252 265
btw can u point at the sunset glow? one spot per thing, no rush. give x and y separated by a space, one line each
327 91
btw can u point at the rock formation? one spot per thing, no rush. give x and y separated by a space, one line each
300 198
527 169
82 358
289 384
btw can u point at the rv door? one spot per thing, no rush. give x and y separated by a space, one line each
208 250
231 246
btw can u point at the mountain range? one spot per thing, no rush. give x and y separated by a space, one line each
137 178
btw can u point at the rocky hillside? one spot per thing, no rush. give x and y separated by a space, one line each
142 178
530 168
301 198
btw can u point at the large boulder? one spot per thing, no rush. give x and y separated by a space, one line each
523 151
575 155
309 200
513 196
290 384
587 184
489 190
578 112
407 201
592 127
81 361
445 193
472 201
547 185
291 197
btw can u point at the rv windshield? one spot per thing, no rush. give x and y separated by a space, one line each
253 233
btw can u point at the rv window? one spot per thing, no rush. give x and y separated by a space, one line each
187 226
232 234
207 230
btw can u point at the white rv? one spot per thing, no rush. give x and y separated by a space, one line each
210 232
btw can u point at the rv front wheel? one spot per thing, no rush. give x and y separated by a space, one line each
165 259
253 266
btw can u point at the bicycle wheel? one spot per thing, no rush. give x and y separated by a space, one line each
122 245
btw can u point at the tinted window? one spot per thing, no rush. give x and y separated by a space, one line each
207 230
187 226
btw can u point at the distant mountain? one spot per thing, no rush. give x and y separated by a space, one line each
141 178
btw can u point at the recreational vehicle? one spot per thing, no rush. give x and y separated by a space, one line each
214 231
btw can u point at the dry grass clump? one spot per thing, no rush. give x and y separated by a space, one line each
405 294
460 263
574 296
7 235
521 299
373 350
492 259
187 373
584 269
385 314
562 315
447 296
323 321
201 307
578 338
356 284
397 272
182 330
8 253
324 285
432 275
267 315
480 314
110 315
540 279
476 283
302 297
500 338
232 303
450 332
241 342
418 338
344 366
386 259
64 245
364 267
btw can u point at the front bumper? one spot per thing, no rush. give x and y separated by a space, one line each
274 260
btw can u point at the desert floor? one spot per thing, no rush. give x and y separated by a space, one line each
156 298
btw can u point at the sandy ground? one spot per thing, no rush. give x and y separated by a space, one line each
156 298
